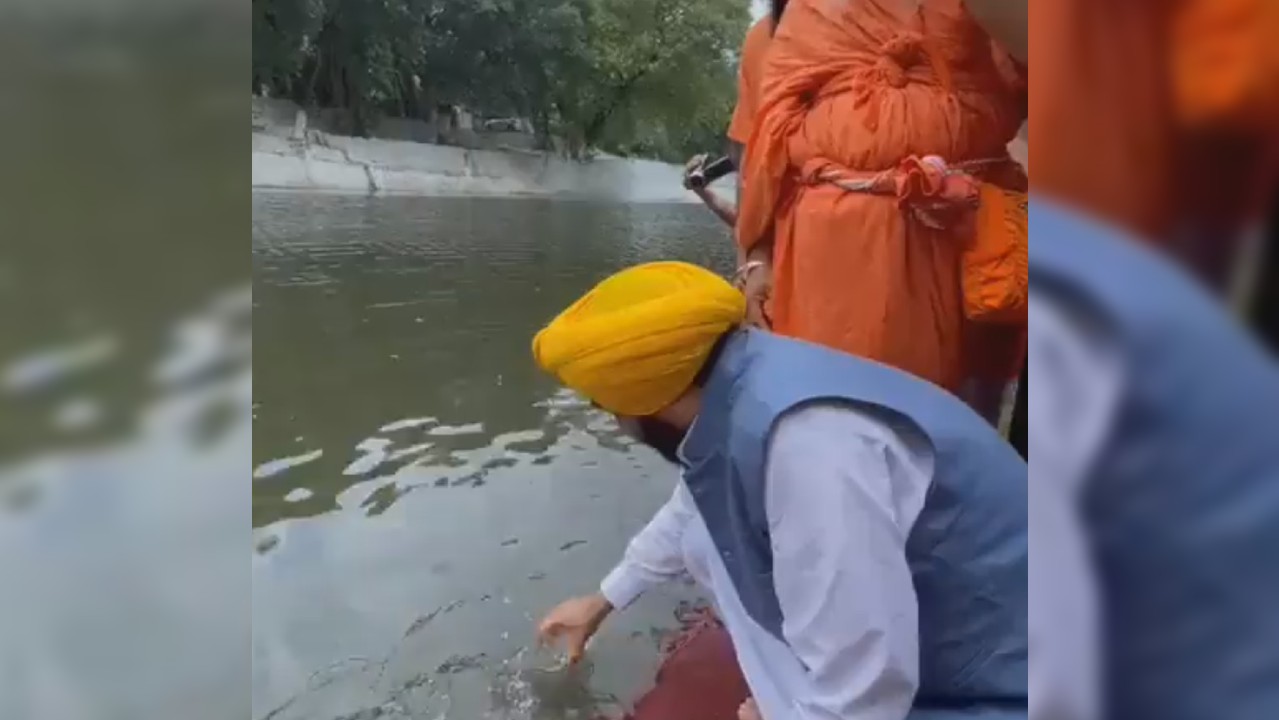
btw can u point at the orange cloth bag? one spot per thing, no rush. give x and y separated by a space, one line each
996 276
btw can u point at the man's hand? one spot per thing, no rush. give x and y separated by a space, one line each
749 711
694 163
756 283
575 622
722 209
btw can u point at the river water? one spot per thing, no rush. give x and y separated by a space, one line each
421 494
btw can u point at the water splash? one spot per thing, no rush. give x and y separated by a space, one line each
531 682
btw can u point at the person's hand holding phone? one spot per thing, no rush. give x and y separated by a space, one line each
694 164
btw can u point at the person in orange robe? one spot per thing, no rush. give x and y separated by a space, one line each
750 77
701 679
1158 117
996 352
855 90
750 72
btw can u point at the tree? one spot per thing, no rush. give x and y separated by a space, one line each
652 75
280 32
659 53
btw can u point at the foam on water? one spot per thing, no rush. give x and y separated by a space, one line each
53 365
279 465
407 423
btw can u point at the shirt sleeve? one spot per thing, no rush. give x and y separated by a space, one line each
841 501
1077 380
654 556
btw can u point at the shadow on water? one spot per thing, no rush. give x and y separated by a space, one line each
420 492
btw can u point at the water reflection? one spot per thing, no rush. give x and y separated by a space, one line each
124 366
121 557
420 493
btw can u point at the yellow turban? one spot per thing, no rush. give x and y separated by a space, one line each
635 342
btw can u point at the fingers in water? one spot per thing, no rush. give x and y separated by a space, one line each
547 633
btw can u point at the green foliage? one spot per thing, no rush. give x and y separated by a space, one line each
640 77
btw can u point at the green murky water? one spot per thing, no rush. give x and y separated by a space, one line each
420 492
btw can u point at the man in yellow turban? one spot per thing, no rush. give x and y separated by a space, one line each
861 531
635 344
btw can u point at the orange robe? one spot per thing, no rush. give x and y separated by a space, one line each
1101 109
1153 113
857 87
750 76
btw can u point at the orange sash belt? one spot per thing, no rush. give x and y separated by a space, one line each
940 195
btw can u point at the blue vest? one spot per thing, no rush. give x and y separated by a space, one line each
1182 506
967 551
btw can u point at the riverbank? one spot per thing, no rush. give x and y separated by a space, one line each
334 163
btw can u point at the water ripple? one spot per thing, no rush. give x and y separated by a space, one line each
272 468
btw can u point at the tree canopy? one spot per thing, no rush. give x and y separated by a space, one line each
651 78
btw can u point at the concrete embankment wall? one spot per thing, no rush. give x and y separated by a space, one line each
335 163
294 149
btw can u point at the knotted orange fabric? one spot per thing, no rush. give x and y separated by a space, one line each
854 87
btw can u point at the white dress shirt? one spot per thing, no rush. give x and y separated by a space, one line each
843 490
1077 380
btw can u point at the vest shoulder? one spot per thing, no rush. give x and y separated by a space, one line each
786 374
1081 261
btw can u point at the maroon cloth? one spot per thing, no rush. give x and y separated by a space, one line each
699 679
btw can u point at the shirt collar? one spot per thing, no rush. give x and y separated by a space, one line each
681 452
705 436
